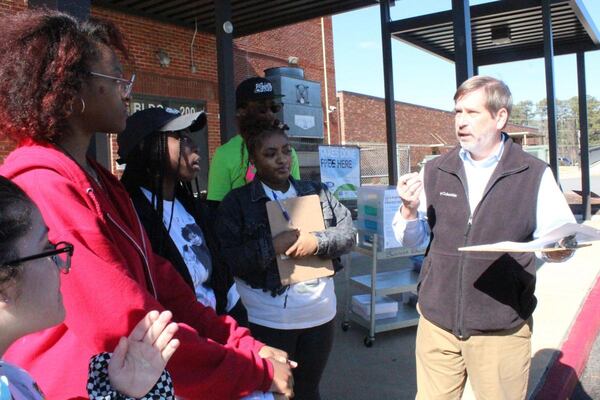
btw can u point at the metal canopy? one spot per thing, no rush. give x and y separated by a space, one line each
248 16
517 27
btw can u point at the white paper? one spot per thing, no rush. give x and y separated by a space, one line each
583 235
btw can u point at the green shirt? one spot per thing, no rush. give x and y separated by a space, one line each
228 168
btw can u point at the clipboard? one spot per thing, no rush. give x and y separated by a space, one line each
306 214
513 247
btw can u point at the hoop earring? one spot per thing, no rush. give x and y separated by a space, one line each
82 105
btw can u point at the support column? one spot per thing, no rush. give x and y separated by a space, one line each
583 138
550 96
224 41
463 48
388 81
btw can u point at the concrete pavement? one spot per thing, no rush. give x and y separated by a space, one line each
589 387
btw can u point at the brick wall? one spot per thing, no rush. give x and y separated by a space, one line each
363 120
252 54
8 6
255 53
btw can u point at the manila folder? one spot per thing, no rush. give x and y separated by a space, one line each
305 214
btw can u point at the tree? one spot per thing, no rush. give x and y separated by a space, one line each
522 113
567 120
593 107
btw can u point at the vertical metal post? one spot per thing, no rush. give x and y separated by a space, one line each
388 81
550 97
583 138
224 41
463 48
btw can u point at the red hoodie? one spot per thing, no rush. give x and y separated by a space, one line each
114 282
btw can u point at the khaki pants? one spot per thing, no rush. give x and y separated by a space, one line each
497 364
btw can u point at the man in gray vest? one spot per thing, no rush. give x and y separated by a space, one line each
476 307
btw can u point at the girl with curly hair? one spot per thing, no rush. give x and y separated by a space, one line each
61 81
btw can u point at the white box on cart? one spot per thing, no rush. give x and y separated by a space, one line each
385 307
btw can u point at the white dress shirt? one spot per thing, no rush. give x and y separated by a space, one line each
552 208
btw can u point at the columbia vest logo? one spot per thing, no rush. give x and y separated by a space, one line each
446 194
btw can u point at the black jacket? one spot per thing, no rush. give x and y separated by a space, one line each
245 236
476 292
220 278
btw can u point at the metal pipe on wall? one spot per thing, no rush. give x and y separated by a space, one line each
325 80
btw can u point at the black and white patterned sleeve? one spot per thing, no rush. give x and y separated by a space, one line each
98 384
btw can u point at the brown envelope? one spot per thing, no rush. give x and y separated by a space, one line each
305 214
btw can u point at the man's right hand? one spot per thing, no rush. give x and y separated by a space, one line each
283 381
409 189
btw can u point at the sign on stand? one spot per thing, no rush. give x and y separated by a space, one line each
340 170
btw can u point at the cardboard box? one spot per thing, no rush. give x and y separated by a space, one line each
377 205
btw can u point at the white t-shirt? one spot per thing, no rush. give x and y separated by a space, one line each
303 305
189 239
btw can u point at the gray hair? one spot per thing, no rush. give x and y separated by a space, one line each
497 92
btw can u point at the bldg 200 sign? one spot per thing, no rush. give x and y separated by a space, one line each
185 106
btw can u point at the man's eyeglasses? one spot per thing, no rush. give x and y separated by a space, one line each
61 256
125 85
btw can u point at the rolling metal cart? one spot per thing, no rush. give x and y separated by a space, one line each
381 284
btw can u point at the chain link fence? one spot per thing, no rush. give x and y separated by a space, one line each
373 161
374 164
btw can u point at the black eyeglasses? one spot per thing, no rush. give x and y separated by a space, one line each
61 256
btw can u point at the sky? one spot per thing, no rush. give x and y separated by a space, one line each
424 79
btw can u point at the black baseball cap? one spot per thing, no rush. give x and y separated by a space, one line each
253 89
157 119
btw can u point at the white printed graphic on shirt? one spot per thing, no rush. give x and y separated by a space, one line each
187 236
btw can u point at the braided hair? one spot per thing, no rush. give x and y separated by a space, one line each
147 166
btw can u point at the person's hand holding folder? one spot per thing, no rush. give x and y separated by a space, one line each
293 243
305 245
284 240
296 260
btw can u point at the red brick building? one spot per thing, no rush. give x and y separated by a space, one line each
310 42
190 81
